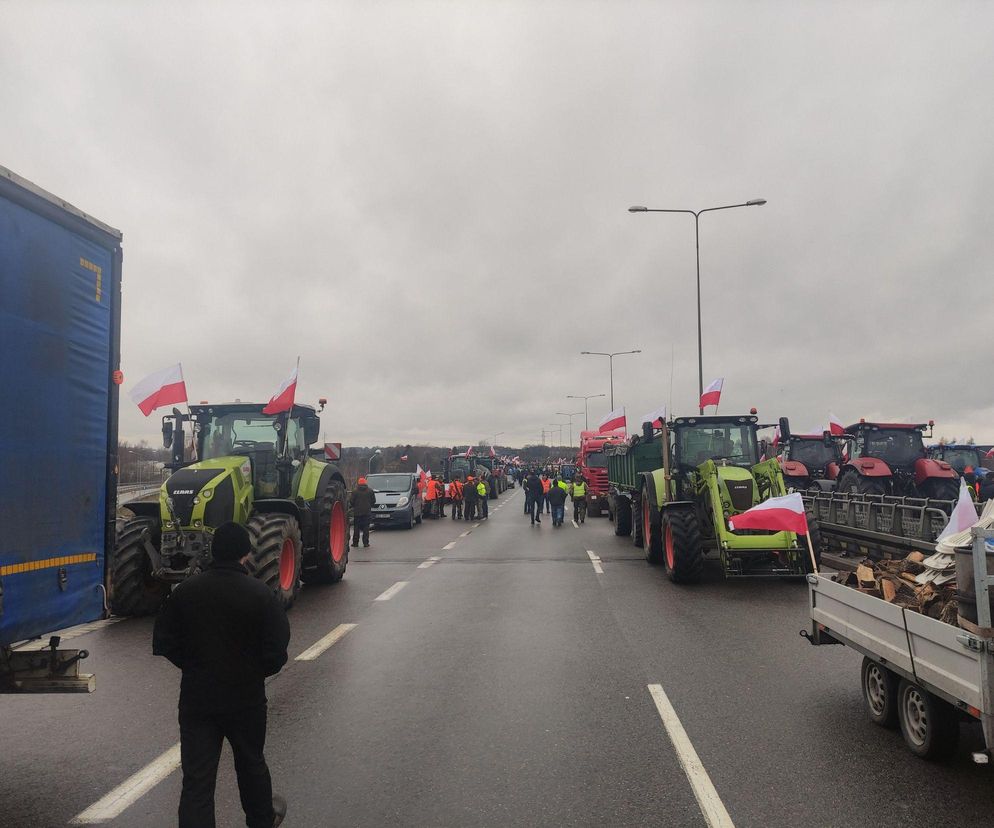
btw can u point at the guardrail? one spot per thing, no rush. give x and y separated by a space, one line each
879 525
134 491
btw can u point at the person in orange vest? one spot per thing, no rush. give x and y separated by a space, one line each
455 495
439 487
546 485
429 497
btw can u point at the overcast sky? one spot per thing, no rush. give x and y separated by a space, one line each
428 202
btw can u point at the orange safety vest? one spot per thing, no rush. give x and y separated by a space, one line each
429 493
546 485
455 490
439 489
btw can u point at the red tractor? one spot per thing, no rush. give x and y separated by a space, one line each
890 459
810 461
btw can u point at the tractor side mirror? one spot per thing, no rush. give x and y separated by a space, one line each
826 438
312 429
784 430
167 433
646 431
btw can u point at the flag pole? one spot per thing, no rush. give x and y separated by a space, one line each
811 549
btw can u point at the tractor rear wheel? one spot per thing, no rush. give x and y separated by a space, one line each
684 556
855 483
651 539
276 554
134 590
941 488
622 517
332 552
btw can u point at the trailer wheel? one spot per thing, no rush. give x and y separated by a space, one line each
622 517
133 589
276 554
928 724
636 512
879 693
332 553
651 540
683 555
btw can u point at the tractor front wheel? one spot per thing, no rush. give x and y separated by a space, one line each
133 588
332 552
684 556
622 517
276 554
651 539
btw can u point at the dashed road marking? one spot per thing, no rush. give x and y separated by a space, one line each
434 559
596 561
323 644
130 790
476 525
707 797
449 545
389 593
464 534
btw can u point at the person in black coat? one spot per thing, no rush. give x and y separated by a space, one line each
226 631
536 493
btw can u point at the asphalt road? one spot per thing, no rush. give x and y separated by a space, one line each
507 684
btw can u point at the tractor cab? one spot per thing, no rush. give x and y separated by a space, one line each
960 456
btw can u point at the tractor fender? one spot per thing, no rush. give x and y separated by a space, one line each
795 468
871 467
655 485
277 505
832 471
144 508
926 469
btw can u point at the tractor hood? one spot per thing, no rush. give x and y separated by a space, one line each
206 494
737 487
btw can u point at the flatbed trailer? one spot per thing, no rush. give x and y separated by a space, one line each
920 674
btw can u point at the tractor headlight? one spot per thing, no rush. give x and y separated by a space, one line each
403 501
206 494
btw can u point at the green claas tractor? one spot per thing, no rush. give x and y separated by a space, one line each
709 471
252 468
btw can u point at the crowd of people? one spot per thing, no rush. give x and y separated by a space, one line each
469 500
548 493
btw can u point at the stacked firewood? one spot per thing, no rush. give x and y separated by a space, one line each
899 581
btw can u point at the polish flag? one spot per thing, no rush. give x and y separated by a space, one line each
403 458
492 452
835 424
616 419
712 394
165 387
469 452
655 417
282 400
964 513
779 514
990 453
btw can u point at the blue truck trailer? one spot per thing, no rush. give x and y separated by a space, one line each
60 334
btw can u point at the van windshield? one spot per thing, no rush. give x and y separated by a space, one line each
389 482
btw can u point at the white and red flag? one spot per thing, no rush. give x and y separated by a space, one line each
165 387
964 513
778 514
712 394
403 458
492 452
835 424
469 452
655 417
282 400
616 419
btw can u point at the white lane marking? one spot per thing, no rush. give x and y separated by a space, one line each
707 797
130 790
476 525
450 545
575 524
388 594
464 534
596 561
434 559
323 644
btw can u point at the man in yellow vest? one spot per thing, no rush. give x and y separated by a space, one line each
578 492
483 497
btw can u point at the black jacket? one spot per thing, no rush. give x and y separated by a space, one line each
469 493
557 495
362 500
534 486
226 631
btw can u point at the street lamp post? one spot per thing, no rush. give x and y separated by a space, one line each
586 418
611 360
495 439
571 415
369 463
560 427
755 202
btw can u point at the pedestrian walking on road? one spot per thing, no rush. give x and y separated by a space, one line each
439 498
483 497
546 485
362 500
534 488
429 497
557 497
578 492
470 497
528 494
226 631
455 495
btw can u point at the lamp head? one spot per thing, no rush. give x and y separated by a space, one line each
756 202
638 209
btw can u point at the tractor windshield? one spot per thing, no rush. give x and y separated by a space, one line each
248 433
733 442
459 468
813 453
895 446
960 458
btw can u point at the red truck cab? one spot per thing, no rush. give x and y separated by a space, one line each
591 464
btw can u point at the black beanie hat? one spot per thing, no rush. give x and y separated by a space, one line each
231 542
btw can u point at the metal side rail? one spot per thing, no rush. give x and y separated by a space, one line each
878 525
983 541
